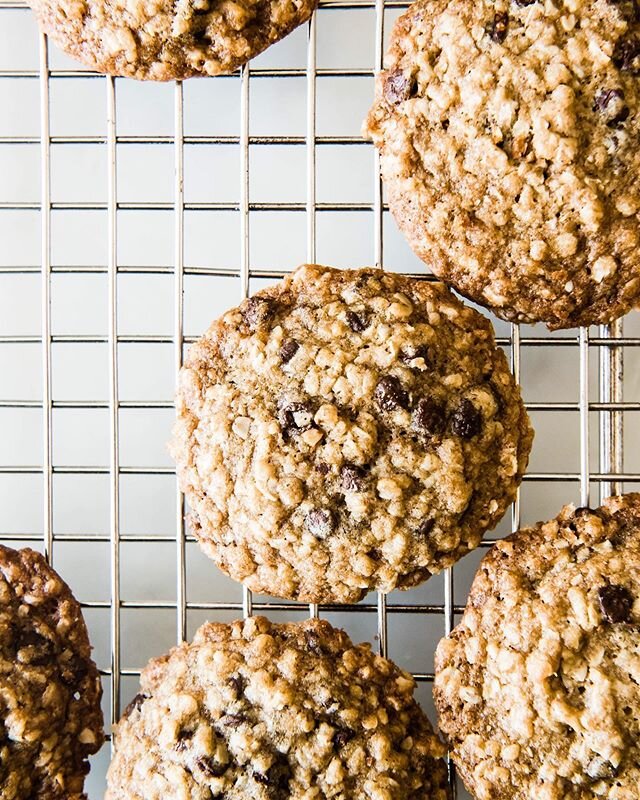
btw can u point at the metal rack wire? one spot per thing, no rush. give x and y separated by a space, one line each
608 343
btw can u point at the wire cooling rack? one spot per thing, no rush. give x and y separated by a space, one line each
133 214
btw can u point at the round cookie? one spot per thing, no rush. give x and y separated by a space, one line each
347 430
50 715
508 133
165 40
260 711
538 688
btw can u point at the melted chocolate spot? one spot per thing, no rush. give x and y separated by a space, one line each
399 87
320 523
256 311
295 417
626 55
499 28
134 705
358 322
616 603
428 417
288 350
390 395
466 421
353 478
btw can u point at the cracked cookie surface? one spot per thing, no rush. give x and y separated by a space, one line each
275 712
538 688
508 134
50 715
347 430
161 40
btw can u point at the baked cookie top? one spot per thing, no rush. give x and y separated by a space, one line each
538 688
162 40
345 431
260 711
50 715
508 133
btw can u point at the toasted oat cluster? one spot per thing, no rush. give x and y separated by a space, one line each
346 431
260 711
160 40
508 132
50 715
538 688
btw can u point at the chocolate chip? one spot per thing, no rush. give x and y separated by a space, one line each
39 649
295 417
288 350
466 421
428 417
620 117
314 643
322 468
353 478
358 322
616 603
390 395
399 87
342 737
425 527
256 311
134 705
320 523
626 55
238 683
611 101
599 768
524 3
211 767
499 28
184 737
409 354
73 670
605 98
277 776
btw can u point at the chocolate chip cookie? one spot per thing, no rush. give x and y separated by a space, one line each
168 40
538 688
50 716
346 431
508 133
259 711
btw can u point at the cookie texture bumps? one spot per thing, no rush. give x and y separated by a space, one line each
50 716
346 431
260 711
538 688
508 135
161 40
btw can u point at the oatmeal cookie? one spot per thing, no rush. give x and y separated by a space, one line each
538 688
508 132
50 716
346 431
163 40
260 711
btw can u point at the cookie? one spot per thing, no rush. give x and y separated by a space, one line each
164 41
538 688
508 135
50 715
346 431
261 711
